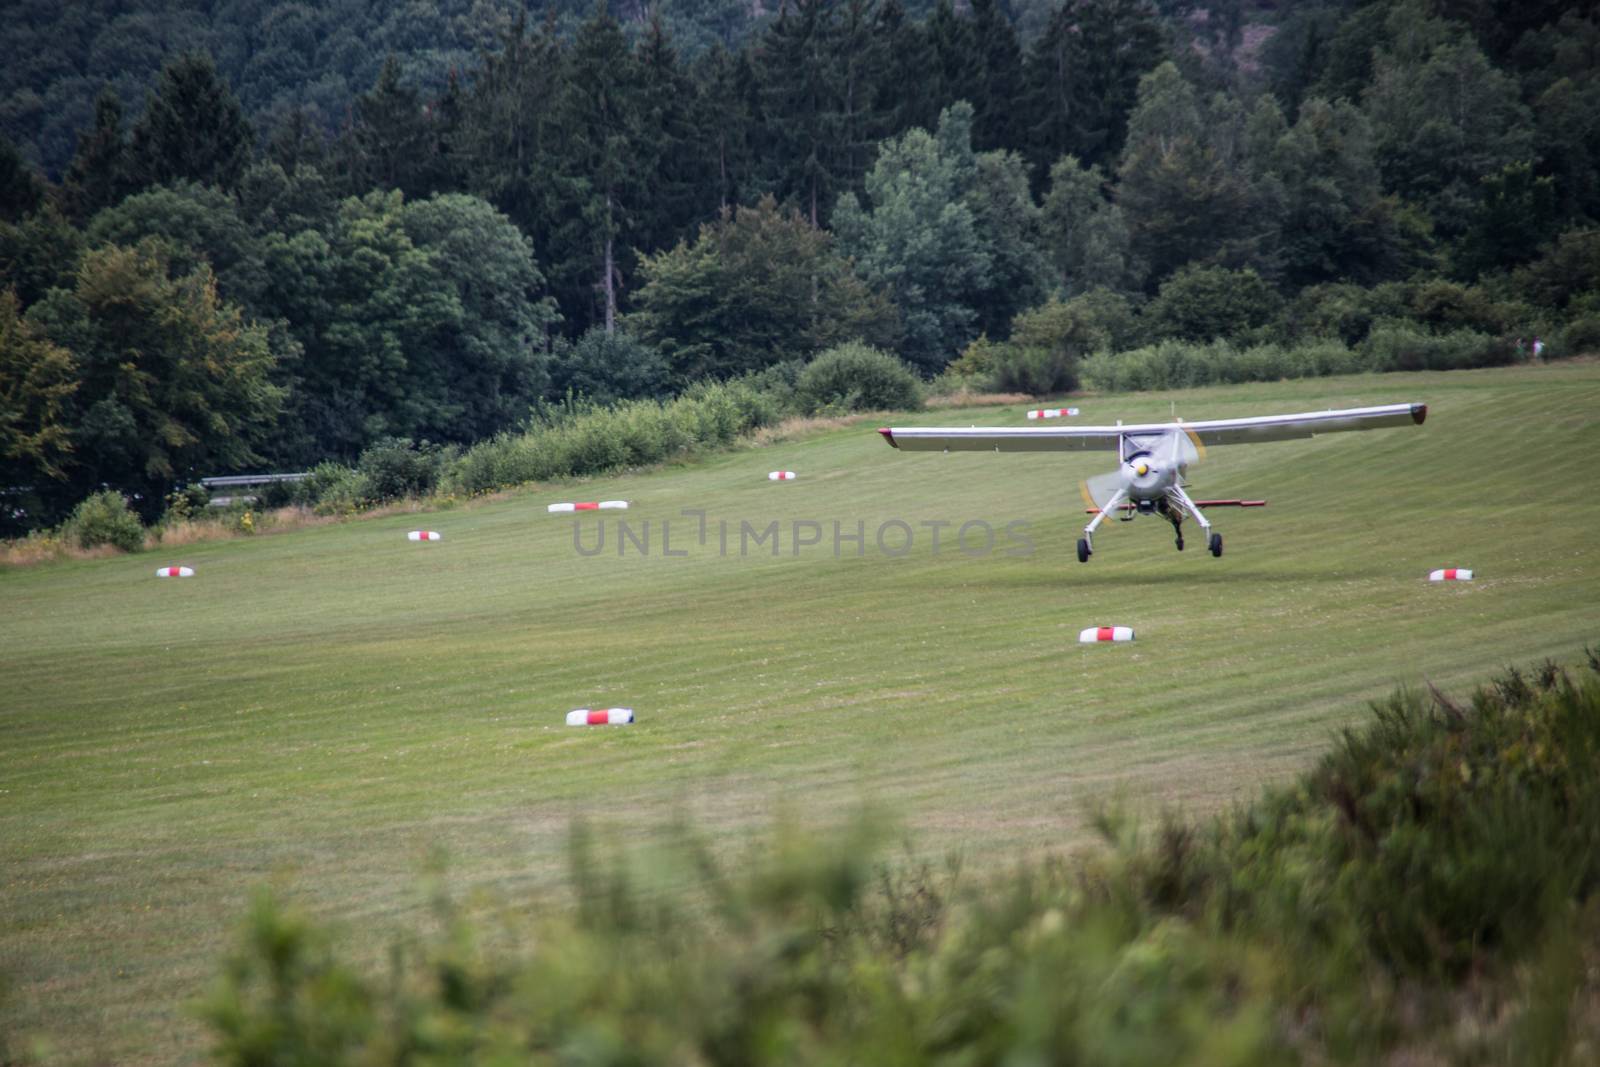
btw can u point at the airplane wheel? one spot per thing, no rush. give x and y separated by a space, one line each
1083 550
1216 544
1180 542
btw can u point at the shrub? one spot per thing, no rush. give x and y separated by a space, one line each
1176 365
976 361
857 377
394 467
580 439
1582 336
778 381
186 503
277 494
332 488
1106 319
1569 271
1048 342
1039 371
1446 306
1392 346
1403 346
1207 303
1340 310
104 519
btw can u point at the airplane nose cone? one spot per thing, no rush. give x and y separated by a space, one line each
1142 469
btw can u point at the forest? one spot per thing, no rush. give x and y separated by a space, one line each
251 235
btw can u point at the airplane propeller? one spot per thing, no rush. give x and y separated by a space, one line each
1099 489
1178 451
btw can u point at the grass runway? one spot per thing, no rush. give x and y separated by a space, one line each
325 709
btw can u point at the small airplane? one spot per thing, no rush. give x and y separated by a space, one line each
1154 457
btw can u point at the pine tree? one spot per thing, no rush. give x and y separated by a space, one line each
860 57
297 140
1082 79
508 127
21 191
728 100
799 104
683 186
996 84
1183 184
909 61
396 141
950 41
98 174
192 127
604 165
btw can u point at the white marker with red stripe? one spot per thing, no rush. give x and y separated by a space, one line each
1052 413
174 572
600 717
780 476
1096 634
1451 574
423 535
589 505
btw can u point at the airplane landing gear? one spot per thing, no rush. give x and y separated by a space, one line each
1216 544
1084 551
1180 542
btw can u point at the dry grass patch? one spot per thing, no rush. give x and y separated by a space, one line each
46 547
966 398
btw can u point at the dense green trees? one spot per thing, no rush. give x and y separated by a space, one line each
436 214
1084 234
757 287
1443 118
1185 184
1082 80
951 234
169 382
37 378
491 344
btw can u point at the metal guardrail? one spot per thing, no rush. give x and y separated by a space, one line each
243 481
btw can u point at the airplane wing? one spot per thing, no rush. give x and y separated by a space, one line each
1107 438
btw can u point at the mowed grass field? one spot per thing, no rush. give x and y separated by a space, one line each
324 710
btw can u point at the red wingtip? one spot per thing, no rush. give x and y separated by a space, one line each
888 435
1419 412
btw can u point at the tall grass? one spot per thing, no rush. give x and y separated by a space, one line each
1429 888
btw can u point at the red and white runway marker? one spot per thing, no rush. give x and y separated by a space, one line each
589 505
424 535
600 717
174 572
1451 574
1052 413
1096 634
780 476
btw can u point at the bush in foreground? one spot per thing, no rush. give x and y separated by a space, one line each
1428 891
